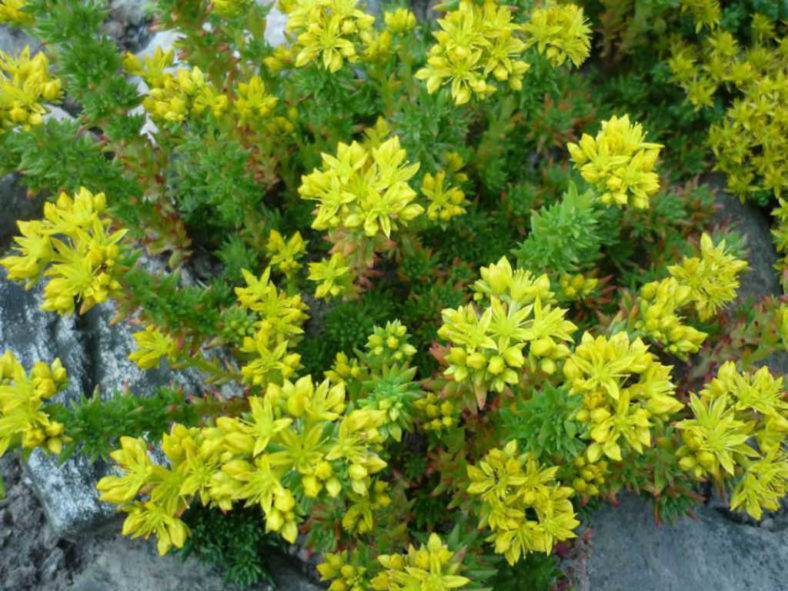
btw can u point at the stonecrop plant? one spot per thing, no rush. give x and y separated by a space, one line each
443 295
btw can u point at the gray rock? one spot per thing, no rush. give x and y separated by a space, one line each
111 371
287 576
33 335
66 492
95 354
13 40
30 556
131 12
761 278
631 552
134 566
16 206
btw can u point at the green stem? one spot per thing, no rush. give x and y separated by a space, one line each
220 375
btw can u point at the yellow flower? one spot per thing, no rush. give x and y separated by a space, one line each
13 11
559 32
152 345
133 459
618 163
269 361
280 315
152 69
363 189
432 566
174 97
659 303
400 21
285 255
327 30
475 40
764 483
149 518
712 278
346 577
714 438
445 202
623 386
73 248
333 275
252 102
527 510
22 421
25 84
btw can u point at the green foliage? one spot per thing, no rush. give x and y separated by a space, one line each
564 237
95 424
234 542
538 572
542 425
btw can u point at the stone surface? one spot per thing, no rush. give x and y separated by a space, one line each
16 206
631 552
13 40
723 550
33 557
132 12
95 355
111 371
761 279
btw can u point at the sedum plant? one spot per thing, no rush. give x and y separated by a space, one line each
441 300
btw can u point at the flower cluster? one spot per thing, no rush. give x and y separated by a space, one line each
73 248
712 278
475 41
174 96
253 103
13 12
575 287
436 414
623 387
587 477
488 345
737 432
400 22
659 303
327 30
524 506
299 441
343 575
618 163
445 202
704 284
284 255
389 345
152 345
432 566
25 84
560 32
231 7
22 422
750 143
334 276
277 327
363 188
